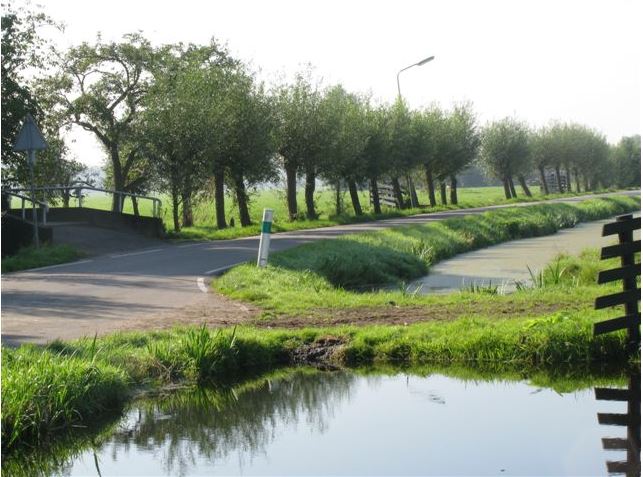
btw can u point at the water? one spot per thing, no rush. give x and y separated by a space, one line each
342 423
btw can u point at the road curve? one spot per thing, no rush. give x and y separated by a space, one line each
148 288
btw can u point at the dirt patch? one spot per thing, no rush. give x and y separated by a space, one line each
216 311
319 353
406 315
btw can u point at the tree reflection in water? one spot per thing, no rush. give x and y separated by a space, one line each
210 424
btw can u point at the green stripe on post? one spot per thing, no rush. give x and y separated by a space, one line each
265 227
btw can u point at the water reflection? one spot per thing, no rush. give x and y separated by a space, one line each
631 443
304 421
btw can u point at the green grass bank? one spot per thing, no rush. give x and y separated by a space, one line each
46 390
334 274
32 257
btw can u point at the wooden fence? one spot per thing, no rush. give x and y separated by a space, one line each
627 247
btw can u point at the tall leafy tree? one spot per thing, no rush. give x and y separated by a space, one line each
100 87
347 142
300 138
626 157
505 151
24 48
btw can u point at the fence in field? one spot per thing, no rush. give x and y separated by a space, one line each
627 247
631 443
387 196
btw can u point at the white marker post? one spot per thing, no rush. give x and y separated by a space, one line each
264 241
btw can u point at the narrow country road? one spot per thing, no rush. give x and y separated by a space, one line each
154 287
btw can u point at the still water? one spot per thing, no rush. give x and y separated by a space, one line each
305 422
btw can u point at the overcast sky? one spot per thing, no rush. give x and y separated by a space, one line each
537 60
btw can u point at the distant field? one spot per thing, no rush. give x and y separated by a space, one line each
204 212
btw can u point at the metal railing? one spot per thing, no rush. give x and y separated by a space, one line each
77 189
42 205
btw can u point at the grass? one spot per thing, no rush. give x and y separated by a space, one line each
32 257
329 273
204 218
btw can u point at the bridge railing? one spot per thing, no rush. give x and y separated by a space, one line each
23 198
75 191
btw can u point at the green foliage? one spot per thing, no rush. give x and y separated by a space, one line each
626 160
31 257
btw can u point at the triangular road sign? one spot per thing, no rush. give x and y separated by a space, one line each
30 137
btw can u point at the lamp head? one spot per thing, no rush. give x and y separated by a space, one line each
426 60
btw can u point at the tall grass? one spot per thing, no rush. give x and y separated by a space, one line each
324 272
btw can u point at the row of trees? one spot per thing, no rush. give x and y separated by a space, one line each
194 122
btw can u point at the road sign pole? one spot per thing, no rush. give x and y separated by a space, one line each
264 241
34 214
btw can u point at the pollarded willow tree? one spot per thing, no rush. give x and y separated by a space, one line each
301 137
505 151
174 128
346 115
626 160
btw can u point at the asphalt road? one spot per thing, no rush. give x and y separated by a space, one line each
150 287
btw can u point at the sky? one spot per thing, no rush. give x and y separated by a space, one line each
535 60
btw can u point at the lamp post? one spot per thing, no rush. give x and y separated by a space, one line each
399 95
30 139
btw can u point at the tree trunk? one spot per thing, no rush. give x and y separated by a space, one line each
505 183
429 184
339 207
242 201
186 200
587 187
135 205
219 199
543 180
512 187
119 180
66 197
291 191
523 184
352 188
414 195
559 180
577 176
454 190
569 179
310 195
175 210
397 192
375 194
443 193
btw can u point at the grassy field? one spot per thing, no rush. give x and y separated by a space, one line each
329 275
204 215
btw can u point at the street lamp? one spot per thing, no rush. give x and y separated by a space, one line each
399 95
423 62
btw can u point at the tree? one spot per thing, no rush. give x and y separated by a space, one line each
249 149
463 144
626 157
427 127
505 151
375 152
23 48
100 88
346 142
182 125
401 159
300 138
